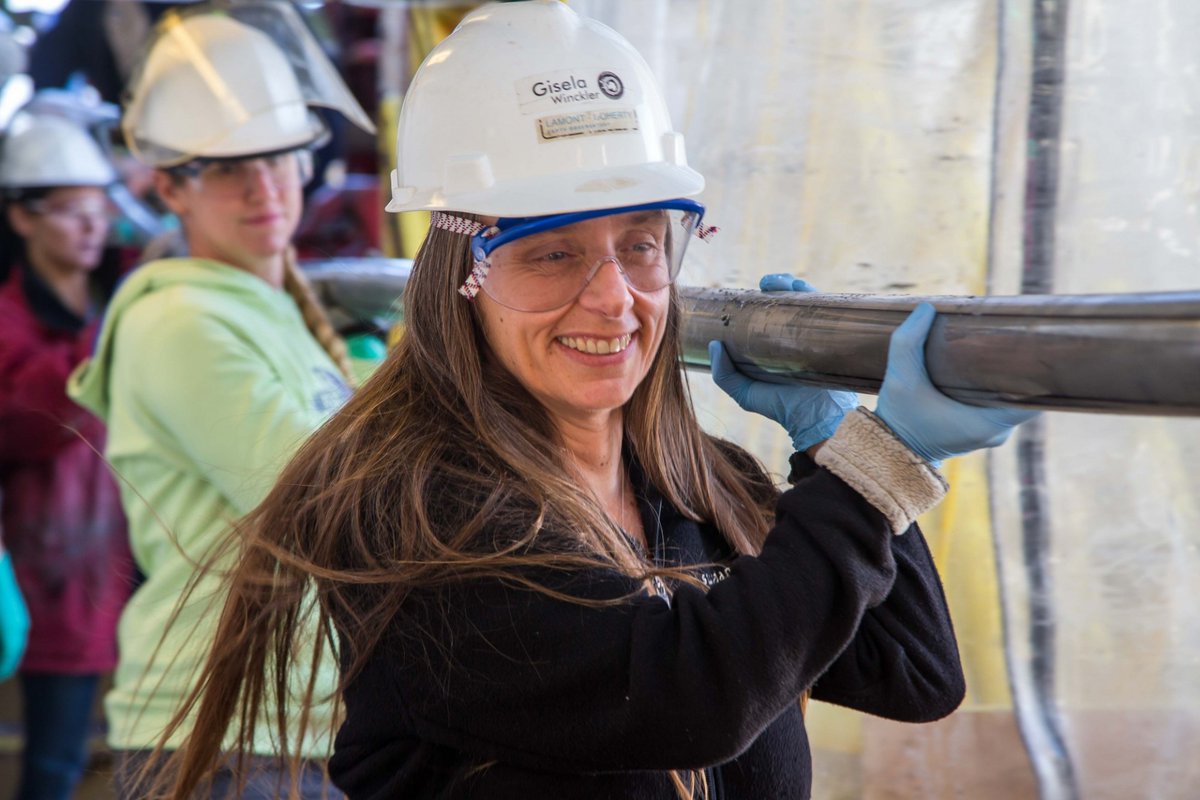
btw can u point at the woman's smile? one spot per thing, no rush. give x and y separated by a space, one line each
594 345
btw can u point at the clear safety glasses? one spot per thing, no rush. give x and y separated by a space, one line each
233 177
83 214
544 263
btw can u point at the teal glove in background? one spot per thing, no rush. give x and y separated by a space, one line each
932 425
14 619
366 347
808 413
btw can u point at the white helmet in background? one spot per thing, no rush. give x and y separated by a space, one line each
213 83
12 55
15 86
44 150
528 109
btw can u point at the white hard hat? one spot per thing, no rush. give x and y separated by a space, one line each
527 109
212 85
40 150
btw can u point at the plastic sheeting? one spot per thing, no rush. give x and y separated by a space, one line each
1101 555
889 146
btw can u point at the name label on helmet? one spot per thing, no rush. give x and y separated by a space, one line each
559 91
586 123
557 88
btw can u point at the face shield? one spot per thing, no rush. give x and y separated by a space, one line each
543 263
319 79
231 80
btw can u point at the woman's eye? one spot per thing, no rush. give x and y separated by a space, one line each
542 253
641 246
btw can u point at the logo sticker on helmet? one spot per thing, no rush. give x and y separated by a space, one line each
586 123
610 83
568 89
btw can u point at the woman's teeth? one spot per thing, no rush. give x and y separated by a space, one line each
597 346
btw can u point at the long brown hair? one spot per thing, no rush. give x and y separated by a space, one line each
405 488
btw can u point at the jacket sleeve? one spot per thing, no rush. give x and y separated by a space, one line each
505 673
903 661
197 383
37 419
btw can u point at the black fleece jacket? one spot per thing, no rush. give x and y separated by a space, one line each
492 691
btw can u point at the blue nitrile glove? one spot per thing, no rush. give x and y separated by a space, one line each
809 414
14 620
932 425
783 282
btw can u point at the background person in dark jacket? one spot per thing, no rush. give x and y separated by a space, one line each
546 580
62 517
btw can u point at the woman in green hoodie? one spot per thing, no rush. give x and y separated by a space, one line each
210 370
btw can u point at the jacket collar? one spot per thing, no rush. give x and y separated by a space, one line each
46 306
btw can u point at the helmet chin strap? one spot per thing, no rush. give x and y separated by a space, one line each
466 227
455 224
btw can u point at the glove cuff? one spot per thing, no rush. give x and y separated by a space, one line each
875 463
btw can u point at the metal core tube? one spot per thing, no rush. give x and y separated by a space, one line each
1126 354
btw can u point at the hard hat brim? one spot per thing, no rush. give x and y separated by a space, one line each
581 191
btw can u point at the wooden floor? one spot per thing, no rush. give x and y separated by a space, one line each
891 761
97 784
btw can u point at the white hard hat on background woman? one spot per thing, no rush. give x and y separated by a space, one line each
238 83
41 150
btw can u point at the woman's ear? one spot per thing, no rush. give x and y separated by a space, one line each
20 220
171 191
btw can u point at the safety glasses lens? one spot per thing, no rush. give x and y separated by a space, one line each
549 268
234 176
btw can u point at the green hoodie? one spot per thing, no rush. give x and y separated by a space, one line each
208 380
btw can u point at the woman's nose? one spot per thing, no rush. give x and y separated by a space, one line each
260 180
606 291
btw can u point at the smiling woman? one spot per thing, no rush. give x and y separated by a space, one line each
543 579
238 211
